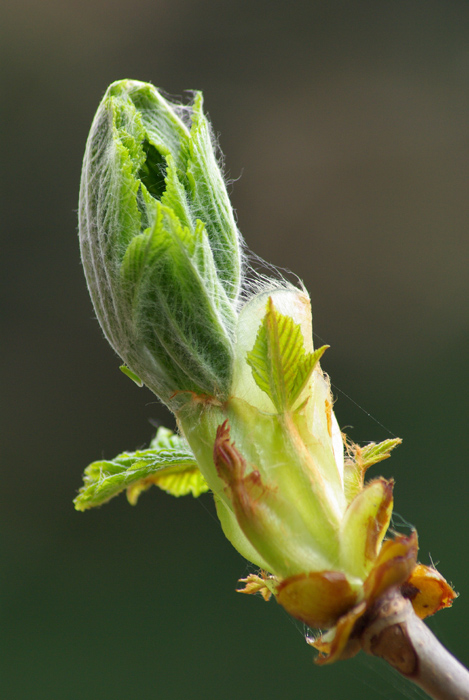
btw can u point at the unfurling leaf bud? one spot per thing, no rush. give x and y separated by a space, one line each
161 253
159 243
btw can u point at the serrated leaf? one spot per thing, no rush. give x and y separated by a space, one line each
168 463
360 459
279 363
176 482
175 197
374 453
305 368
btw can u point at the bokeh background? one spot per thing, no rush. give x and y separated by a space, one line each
345 128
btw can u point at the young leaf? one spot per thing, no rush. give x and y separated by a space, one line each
279 363
159 242
373 453
170 268
168 463
360 459
210 202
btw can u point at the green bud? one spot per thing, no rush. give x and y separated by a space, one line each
159 243
282 481
161 253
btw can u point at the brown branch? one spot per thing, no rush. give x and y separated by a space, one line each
395 633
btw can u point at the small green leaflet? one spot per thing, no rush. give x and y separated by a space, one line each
167 463
360 459
374 453
279 363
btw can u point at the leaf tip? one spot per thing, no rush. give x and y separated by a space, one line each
128 373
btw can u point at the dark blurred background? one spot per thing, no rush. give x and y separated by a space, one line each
345 127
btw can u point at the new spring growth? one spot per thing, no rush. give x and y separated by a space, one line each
232 356
159 243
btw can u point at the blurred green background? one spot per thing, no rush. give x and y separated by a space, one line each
345 128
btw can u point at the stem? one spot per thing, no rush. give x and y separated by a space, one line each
395 633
